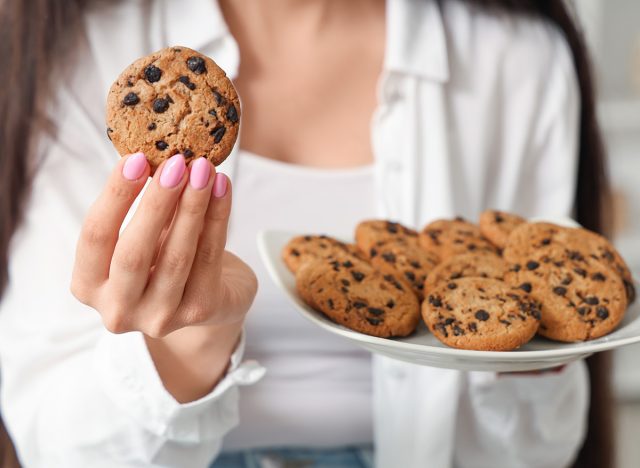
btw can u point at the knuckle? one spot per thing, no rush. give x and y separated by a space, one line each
208 254
176 260
192 207
159 328
195 314
155 203
80 291
115 322
129 260
94 233
119 191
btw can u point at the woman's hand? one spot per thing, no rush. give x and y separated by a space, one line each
168 270
165 271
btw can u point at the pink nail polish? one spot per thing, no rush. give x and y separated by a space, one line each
200 170
173 171
220 185
134 166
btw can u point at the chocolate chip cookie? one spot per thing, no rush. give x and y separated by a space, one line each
449 237
352 293
471 265
373 233
537 238
582 298
302 249
173 101
405 259
481 314
497 225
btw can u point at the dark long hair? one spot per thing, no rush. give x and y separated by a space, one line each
34 34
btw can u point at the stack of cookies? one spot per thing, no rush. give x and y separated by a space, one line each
490 286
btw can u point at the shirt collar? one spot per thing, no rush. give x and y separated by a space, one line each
416 41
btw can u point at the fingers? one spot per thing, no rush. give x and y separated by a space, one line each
207 264
136 247
178 250
102 224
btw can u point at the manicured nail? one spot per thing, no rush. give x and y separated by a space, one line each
134 166
200 170
220 185
173 171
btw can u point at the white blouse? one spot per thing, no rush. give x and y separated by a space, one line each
474 111
317 391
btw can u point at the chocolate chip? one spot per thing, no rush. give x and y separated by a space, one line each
526 287
598 277
232 114
482 315
531 265
187 82
567 280
160 105
187 153
455 275
214 113
580 271
373 252
359 304
441 328
435 301
452 286
506 322
498 218
410 275
330 302
129 83
152 73
347 264
374 321
458 218
307 238
375 311
161 145
394 282
457 331
389 257
560 290
602 312
471 247
218 97
545 241
357 276
608 255
515 267
472 327
109 132
131 99
295 252
390 304
196 65
575 255
392 227
151 126
535 313
414 264
583 310
345 282
592 300
217 133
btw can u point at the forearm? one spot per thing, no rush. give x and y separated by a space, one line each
192 360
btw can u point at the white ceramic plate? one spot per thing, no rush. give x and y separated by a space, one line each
423 348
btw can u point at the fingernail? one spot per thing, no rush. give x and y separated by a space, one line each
134 166
173 171
200 170
220 185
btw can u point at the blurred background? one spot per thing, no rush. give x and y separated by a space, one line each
613 32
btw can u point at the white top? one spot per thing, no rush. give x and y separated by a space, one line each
317 389
474 111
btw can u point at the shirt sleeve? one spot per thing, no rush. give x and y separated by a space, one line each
536 420
73 394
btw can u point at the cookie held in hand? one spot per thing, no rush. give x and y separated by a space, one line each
173 101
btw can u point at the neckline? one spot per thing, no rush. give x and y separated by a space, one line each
299 169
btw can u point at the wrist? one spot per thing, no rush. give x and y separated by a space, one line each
191 361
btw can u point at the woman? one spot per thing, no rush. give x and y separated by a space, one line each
474 104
